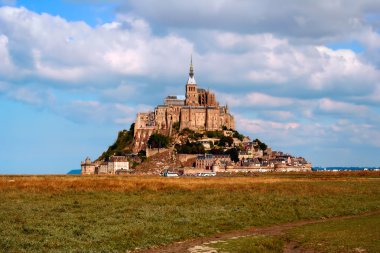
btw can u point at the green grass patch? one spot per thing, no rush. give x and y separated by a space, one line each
360 234
88 219
250 244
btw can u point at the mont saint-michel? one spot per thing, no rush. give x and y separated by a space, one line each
189 135
199 111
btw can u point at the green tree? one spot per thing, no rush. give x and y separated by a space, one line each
214 134
234 154
132 128
176 126
190 148
226 140
158 141
142 155
262 145
216 151
238 135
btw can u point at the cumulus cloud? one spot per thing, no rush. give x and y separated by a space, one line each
6 66
30 96
272 66
73 54
330 106
95 112
52 48
256 99
303 19
44 54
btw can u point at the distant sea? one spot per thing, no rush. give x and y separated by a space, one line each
346 169
74 172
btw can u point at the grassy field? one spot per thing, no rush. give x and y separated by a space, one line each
353 235
102 214
250 244
358 234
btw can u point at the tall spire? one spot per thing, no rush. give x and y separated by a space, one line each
191 79
191 74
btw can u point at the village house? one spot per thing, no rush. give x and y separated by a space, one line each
115 165
206 161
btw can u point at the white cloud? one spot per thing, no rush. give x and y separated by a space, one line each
6 66
30 96
341 67
121 93
323 19
270 65
331 106
258 126
281 116
256 99
96 112
52 48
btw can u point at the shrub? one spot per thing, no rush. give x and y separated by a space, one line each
190 148
158 141
214 134
176 126
238 135
234 154
216 151
226 140
262 145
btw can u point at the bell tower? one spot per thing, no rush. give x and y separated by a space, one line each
191 88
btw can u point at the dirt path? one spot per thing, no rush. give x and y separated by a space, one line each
201 244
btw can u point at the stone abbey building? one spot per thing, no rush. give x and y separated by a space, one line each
198 110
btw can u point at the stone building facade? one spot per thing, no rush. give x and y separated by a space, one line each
115 165
198 111
88 167
209 162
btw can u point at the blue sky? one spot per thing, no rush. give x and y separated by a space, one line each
304 78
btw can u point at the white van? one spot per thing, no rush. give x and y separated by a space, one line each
170 174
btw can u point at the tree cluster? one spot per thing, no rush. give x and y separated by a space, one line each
158 141
191 134
190 148
176 126
232 152
262 145
214 134
238 135
226 141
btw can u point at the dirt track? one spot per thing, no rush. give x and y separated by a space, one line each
192 245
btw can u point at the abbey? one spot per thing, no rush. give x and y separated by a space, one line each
198 110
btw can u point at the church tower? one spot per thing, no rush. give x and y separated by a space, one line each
191 88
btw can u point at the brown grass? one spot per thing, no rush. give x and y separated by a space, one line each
55 184
119 213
